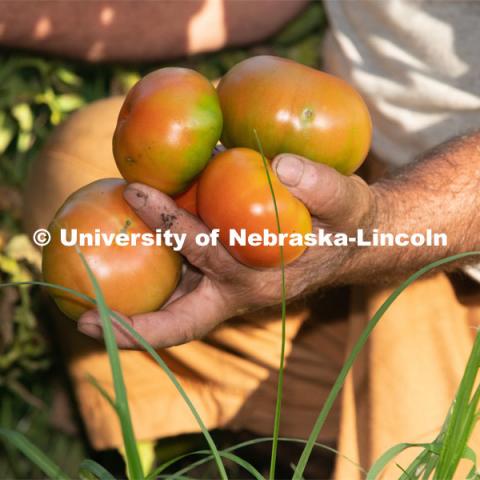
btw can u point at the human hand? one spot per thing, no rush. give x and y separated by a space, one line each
215 286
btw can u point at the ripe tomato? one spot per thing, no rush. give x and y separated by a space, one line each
133 279
294 109
166 130
188 199
233 193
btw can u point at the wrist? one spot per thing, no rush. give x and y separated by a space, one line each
395 214
361 262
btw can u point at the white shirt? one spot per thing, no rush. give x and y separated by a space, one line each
417 65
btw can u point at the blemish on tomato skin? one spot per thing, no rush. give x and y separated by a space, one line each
129 160
307 114
128 223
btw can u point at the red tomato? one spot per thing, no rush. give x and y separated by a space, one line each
133 279
294 109
188 199
167 127
233 193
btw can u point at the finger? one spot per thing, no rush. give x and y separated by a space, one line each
158 210
189 280
336 199
188 318
90 324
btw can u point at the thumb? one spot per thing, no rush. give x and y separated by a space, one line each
336 200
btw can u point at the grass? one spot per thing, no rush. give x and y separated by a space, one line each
120 403
440 457
33 453
278 405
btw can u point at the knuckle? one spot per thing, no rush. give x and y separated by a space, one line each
187 334
211 260
205 258
194 254
184 332
266 289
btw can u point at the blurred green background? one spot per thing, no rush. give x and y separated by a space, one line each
36 94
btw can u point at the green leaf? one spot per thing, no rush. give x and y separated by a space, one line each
462 418
102 391
153 353
278 405
238 446
7 131
243 463
68 77
134 464
33 453
68 102
146 450
125 79
392 452
23 115
92 470
309 21
24 141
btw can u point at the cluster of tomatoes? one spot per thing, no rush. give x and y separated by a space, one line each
167 128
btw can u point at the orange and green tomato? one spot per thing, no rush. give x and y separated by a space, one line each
134 279
188 199
294 109
234 194
166 130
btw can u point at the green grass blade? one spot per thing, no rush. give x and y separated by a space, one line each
425 461
402 469
391 453
134 465
462 418
96 470
238 446
356 350
50 285
179 477
430 462
224 453
102 391
142 342
152 352
414 470
426 458
278 405
243 463
472 456
145 449
33 453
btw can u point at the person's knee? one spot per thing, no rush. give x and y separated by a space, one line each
78 152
